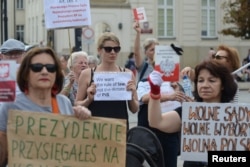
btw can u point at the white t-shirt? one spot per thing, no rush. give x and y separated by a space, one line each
166 88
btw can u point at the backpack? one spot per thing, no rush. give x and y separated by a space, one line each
143 148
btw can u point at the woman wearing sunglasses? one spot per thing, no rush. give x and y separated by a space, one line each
108 49
40 79
213 83
226 56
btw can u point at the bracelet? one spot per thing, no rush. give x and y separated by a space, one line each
67 90
155 97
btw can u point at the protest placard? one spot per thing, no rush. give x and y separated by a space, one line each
140 14
167 62
7 81
52 140
214 127
63 14
112 86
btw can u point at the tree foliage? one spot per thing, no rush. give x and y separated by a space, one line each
237 17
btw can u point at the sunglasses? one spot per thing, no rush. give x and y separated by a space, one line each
38 67
218 57
108 49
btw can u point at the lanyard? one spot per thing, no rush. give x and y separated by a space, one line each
55 108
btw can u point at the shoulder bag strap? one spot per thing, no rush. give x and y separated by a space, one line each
145 66
143 70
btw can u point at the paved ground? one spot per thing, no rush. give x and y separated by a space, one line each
244 97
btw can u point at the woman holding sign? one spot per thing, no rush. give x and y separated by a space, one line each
170 97
213 83
40 79
101 88
226 56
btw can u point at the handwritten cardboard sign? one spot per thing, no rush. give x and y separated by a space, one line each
63 14
7 81
214 127
112 86
167 62
52 140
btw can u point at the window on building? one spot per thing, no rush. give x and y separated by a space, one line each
166 18
19 4
208 21
20 32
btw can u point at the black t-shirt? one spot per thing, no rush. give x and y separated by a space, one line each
179 111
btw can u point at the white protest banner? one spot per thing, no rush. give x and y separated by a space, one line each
167 62
7 81
54 140
214 127
63 14
140 14
112 86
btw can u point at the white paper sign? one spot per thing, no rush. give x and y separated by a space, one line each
167 62
112 86
140 14
62 13
214 127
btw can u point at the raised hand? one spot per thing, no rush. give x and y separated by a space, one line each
136 26
155 81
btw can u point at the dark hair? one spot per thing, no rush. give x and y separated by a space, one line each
131 55
24 69
218 71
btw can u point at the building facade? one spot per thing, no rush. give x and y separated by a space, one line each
193 25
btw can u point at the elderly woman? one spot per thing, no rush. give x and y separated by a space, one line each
40 79
213 83
93 61
108 49
77 62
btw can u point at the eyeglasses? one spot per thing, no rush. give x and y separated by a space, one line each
218 57
14 54
108 49
38 67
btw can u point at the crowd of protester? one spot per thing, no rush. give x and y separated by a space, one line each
46 79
